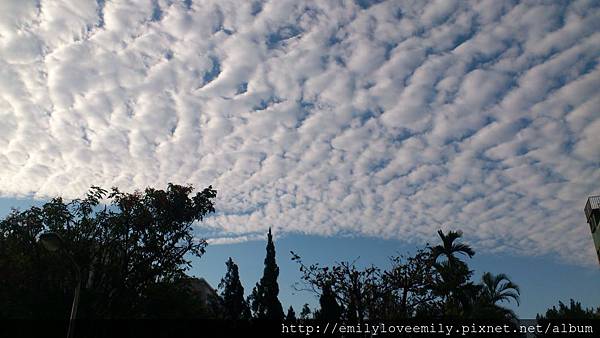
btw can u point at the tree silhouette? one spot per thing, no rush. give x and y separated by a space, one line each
131 247
330 310
573 311
495 289
499 288
265 304
449 248
305 314
291 315
357 291
409 285
431 283
233 293
456 289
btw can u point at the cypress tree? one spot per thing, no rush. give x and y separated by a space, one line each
265 303
233 293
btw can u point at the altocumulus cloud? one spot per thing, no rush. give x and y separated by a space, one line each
376 118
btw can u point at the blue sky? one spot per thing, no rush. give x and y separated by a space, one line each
372 119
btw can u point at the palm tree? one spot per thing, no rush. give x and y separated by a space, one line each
455 287
499 288
496 289
449 249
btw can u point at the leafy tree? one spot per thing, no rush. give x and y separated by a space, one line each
178 299
233 293
409 286
130 248
265 304
433 282
357 291
573 311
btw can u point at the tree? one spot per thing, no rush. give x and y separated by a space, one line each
499 288
496 289
291 315
305 314
233 293
128 245
431 283
409 286
449 248
573 311
357 291
454 287
265 303
330 310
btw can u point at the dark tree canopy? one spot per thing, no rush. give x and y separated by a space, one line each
233 293
330 310
291 315
572 311
431 283
265 303
305 313
455 287
567 313
408 285
356 291
131 247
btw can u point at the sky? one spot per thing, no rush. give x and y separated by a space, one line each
330 120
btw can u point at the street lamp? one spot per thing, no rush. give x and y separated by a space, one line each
53 242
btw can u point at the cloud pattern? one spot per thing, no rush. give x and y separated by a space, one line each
374 118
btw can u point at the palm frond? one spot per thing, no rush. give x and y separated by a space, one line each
463 249
499 288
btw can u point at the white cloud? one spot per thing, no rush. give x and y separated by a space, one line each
388 119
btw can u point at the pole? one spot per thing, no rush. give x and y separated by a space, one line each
75 299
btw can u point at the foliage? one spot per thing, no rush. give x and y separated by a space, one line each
573 311
498 288
495 289
305 314
291 315
409 285
356 290
130 247
330 310
454 287
433 282
233 293
265 304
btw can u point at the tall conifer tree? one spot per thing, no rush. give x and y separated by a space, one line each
265 303
233 293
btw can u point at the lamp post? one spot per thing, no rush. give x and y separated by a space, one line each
53 242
